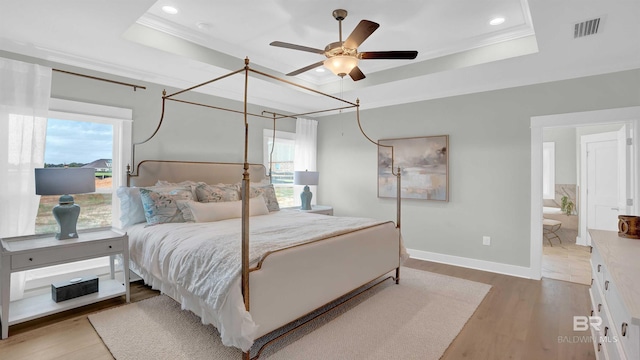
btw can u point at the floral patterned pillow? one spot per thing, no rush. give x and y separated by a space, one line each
267 191
217 193
161 205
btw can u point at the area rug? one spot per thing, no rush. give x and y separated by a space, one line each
417 319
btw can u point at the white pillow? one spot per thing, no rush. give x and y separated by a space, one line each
216 211
132 211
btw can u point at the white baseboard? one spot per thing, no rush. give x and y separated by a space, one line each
581 241
500 268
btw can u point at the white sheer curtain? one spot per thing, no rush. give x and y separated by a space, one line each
305 153
25 90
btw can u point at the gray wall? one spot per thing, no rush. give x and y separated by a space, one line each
489 141
188 132
565 150
489 165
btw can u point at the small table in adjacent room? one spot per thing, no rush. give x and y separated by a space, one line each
549 229
38 251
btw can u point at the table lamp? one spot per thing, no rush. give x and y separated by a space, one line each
305 178
65 181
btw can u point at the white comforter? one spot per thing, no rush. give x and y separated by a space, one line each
199 264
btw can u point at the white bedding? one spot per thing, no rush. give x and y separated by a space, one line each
201 262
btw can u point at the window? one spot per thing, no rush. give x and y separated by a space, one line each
105 128
548 170
281 159
71 143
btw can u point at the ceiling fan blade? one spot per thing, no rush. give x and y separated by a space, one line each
296 47
356 74
388 55
364 29
306 68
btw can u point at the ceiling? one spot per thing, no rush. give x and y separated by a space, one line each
459 52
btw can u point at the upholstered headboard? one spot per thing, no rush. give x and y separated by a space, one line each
150 171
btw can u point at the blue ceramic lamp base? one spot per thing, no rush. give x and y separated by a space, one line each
66 214
305 197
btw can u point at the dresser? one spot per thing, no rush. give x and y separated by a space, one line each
615 295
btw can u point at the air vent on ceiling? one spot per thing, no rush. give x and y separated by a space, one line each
586 28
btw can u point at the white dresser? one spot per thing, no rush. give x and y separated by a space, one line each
615 295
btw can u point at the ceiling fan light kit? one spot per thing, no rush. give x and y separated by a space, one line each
341 65
343 56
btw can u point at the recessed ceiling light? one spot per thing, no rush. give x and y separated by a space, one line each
496 21
169 10
203 26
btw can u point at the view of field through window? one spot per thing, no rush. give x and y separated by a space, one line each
281 169
79 144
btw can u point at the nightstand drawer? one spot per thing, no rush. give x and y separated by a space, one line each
65 254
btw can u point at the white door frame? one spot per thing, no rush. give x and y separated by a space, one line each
629 115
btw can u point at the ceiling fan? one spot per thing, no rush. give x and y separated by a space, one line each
343 56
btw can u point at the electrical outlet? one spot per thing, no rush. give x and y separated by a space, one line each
486 240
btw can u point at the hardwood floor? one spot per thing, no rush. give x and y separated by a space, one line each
519 319
565 260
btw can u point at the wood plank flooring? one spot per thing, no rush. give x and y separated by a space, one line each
519 319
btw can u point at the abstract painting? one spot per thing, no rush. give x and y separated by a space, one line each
424 166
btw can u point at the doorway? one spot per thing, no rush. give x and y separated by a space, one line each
629 116
585 158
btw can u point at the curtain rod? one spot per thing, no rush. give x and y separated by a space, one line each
135 87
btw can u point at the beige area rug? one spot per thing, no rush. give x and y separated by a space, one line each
416 319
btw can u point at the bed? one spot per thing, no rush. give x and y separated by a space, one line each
323 258
278 266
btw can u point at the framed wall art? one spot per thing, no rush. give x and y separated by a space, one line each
424 164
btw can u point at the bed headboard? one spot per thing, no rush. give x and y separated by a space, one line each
150 171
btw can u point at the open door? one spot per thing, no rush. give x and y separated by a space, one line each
608 173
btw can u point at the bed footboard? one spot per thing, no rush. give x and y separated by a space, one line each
293 282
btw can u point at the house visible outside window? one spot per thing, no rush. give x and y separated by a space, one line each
280 161
548 170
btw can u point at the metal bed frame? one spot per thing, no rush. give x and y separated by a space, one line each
246 176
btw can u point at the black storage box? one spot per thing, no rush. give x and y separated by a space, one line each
74 288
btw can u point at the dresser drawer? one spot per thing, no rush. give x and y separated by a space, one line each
597 264
46 257
619 316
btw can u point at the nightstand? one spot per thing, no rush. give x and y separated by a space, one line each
37 251
315 209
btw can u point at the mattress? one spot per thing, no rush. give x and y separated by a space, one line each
199 264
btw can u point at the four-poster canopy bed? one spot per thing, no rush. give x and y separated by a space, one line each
295 264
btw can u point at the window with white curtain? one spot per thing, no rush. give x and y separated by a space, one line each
548 170
103 126
279 159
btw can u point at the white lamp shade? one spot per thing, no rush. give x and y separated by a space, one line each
305 177
341 65
62 181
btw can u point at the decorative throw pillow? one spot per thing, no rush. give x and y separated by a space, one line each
160 205
216 211
217 193
131 209
187 214
267 191
187 183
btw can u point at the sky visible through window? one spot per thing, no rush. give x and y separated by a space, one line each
77 141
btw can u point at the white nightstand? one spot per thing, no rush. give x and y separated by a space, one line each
37 251
315 209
